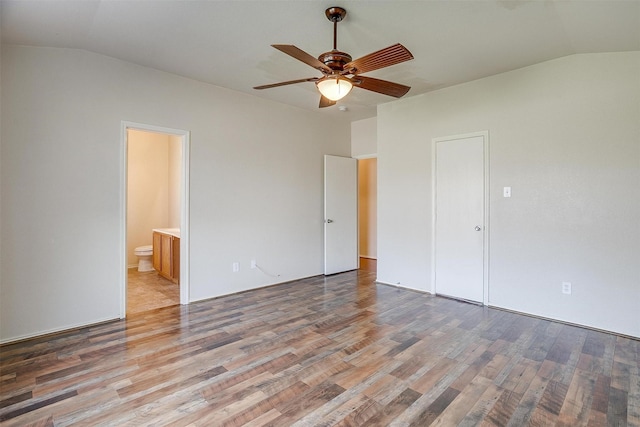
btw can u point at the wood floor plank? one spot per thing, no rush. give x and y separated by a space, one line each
526 375
16 399
339 350
494 366
420 408
37 405
504 407
471 372
460 407
617 410
410 367
621 375
598 419
553 397
384 389
485 403
577 403
302 404
432 376
392 409
529 402
433 411
353 412
633 396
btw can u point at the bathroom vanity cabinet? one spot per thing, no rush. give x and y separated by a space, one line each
166 253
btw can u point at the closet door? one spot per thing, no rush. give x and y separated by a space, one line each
460 222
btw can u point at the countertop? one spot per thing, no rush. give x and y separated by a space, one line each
171 231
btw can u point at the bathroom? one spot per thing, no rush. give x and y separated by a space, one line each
153 202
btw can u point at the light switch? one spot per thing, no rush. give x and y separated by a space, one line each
506 192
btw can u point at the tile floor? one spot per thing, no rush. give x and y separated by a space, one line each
148 290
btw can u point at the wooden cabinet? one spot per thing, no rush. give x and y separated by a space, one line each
157 251
175 259
166 255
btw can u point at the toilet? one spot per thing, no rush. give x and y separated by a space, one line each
144 254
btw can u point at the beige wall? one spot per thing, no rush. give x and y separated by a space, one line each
565 136
153 187
367 205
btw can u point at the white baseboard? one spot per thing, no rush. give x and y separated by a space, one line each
57 330
395 285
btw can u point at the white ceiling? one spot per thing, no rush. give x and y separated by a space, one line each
227 43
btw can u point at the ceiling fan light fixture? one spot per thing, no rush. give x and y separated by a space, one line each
334 88
335 65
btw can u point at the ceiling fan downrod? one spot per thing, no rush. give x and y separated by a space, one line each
335 14
335 59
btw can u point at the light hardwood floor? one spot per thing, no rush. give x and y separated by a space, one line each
324 351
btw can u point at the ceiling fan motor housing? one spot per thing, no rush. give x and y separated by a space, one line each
335 59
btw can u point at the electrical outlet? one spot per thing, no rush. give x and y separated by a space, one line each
566 288
236 267
253 263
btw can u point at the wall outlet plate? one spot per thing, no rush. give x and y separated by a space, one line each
566 288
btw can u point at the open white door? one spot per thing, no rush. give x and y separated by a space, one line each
340 214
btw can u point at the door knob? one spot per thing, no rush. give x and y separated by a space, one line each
329 221
478 228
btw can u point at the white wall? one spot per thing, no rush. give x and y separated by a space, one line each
1 162
175 165
256 184
565 135
364 138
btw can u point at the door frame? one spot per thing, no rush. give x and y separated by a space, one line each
434 200
185 137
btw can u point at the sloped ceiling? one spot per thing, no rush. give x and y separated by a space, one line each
227 43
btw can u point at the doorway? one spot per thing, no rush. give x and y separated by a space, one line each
350 214
367 213
460 205
155 165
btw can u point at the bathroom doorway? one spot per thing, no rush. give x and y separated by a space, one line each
155 165
367 213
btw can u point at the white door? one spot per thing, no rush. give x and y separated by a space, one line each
460 228
340 214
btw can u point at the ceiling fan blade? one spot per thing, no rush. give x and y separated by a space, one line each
381 86
382 58
303 56
325 102
290 82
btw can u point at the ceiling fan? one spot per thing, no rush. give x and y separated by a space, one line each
341 72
